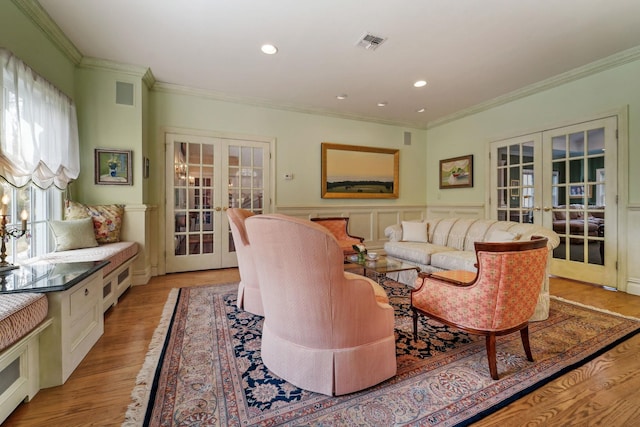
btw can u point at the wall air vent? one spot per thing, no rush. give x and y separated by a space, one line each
370 41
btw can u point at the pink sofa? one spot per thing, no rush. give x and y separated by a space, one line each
324 330
249 297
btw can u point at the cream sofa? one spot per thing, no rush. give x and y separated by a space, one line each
448 244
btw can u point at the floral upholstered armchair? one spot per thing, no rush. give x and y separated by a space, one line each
499 300
339 227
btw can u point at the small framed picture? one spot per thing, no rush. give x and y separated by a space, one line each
113 167
576 191
456 172
515 188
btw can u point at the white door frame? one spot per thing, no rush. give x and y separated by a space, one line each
161 213
620 199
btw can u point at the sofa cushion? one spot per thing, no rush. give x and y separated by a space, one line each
458 233
455 260
416 252
73 234
441 232
431 226
415 231
477 233
107 219
501 236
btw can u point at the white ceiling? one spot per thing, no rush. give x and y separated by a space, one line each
469 51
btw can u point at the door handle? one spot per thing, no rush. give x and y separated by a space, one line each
224 208
546 208
537 208
218 208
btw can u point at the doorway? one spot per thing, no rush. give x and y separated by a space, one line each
558 179
205 176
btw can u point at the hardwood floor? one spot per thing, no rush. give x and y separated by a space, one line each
602 392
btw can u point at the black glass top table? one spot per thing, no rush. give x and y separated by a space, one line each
47 277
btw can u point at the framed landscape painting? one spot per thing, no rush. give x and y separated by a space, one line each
456 172
357 172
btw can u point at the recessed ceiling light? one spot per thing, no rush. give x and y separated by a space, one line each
420 83
420 110
343 96
382 104
269 49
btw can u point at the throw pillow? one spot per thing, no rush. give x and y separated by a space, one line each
497 236
73 234
415 231
107 219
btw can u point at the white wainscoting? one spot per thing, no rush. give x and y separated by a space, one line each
364 221
628 255
456 211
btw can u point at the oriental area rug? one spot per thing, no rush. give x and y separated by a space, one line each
204 368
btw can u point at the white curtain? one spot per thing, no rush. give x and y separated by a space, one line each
39 129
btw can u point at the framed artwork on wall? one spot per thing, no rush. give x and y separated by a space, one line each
515 188
113 167
456 172
357 172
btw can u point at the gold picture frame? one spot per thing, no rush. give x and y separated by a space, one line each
456 172
358 172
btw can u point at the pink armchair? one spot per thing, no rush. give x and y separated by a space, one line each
498 301
324 329
249 297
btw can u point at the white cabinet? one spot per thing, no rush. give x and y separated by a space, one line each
77 325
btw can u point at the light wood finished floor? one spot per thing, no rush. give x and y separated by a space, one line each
603 392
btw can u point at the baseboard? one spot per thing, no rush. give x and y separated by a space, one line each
633 286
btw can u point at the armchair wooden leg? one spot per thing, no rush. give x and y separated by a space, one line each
524 334
415 324
491 355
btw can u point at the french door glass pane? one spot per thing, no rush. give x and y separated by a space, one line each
193 192
578 164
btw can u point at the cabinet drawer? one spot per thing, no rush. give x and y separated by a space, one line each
85 326
84 298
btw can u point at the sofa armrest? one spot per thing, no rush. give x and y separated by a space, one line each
393 232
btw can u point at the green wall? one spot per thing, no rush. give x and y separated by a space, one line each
19 35
571 102
105 124
298 137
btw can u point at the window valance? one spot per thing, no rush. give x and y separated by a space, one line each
39 130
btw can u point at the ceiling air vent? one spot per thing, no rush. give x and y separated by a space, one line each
370 41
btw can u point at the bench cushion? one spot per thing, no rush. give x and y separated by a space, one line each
19 315
115 253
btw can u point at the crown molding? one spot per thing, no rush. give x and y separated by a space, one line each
258 102
34 11
142 73
604 64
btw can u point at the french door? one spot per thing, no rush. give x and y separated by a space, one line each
205 177
564 179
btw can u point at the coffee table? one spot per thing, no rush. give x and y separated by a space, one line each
381 266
